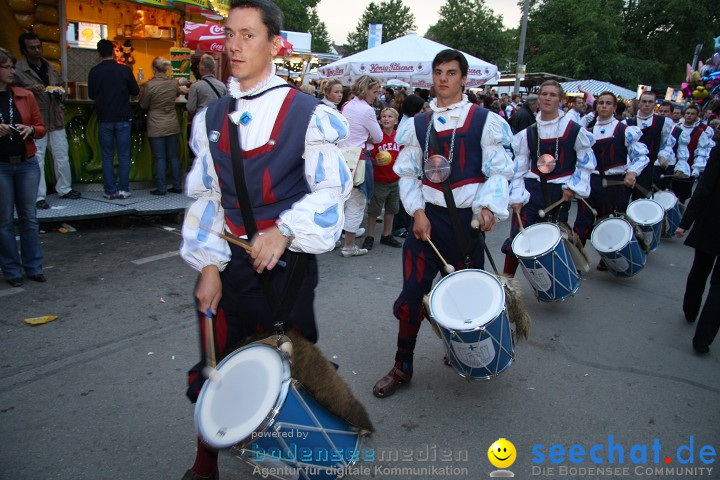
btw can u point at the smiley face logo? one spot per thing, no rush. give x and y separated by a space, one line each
502 453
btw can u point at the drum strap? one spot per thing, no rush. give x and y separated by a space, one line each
451 207
543 177
280 308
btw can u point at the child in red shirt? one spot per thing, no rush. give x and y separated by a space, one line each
386 193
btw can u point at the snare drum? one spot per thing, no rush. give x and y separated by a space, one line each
271 420
546 262
648 215
468 306
614 239
669 202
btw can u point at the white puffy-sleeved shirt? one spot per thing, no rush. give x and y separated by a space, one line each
497 165
702 151
637 151
326 173
667 141
579 181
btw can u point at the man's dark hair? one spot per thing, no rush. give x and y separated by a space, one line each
620 108
448 55
649 92
694 107
677 107
667 103
472 98
515 96
610 94
26 36
389 90
271 15
105 48
412 105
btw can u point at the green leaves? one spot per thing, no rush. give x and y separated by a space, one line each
396 18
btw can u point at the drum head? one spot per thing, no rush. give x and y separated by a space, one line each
537 240
645 212
666 199
467 299
611 235
253 383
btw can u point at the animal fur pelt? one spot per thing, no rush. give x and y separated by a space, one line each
575 247
320 378
516 306
639 235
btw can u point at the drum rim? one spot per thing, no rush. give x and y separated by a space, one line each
646 224
666 194
543 224
503 305
592 235
269 420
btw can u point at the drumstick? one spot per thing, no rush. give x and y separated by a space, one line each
542 212
448 268
594 212
237 241
522 229
674 175
614 183
209 371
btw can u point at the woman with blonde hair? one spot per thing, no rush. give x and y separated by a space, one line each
163 129
332 90
365 131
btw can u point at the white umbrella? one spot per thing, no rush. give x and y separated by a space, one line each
408 59
396 82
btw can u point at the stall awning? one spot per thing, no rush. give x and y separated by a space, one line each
596 87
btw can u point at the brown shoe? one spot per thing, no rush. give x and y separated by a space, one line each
387 385
190 475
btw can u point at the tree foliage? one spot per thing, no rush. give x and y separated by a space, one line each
470 26
395 17
320 37
622 41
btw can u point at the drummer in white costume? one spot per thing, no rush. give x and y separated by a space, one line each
560 140
296 182
700 143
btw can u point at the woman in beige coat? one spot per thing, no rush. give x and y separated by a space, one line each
163 129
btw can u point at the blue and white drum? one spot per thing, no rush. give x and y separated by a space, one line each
468 306
648 215
614 239
546 262
271 421
669 201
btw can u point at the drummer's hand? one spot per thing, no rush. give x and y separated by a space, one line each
487 220
517 207
421 225
208 290
268 247
630 179
663 162
680 232
568 195
5 130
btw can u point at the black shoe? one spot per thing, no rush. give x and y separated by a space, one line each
15 282
37 278
156 192
390 241
689 317
72 194
368 243
175 190
701 349
42 204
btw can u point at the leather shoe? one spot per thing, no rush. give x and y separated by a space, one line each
72 194
15 282
37 278
157 192
387 385
190 475
175 190
42 204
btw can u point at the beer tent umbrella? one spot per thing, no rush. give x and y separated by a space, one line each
408 59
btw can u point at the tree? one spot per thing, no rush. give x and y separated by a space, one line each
296 13
320 36
395 17
472 27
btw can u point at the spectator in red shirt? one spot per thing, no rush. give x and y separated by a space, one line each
386 193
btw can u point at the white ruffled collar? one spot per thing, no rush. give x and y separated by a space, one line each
270 81
640 117
460 104
546 123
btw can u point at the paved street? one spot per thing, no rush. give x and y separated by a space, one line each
99 393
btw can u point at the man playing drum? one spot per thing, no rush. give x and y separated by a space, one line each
553 161
457 152
620 158
294 189
699 146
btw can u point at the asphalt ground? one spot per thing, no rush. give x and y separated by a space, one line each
99 392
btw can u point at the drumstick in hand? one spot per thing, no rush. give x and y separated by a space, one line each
522 229
594 212
614 183
542 212
448 268
237 241
209 371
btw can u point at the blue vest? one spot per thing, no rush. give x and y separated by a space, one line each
652 135
676 132
611 152
274 172
566 155
467 154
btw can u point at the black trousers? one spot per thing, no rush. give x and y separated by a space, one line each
709 321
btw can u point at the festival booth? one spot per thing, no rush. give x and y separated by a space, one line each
408 59
596 87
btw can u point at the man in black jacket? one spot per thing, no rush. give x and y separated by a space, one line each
525 115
